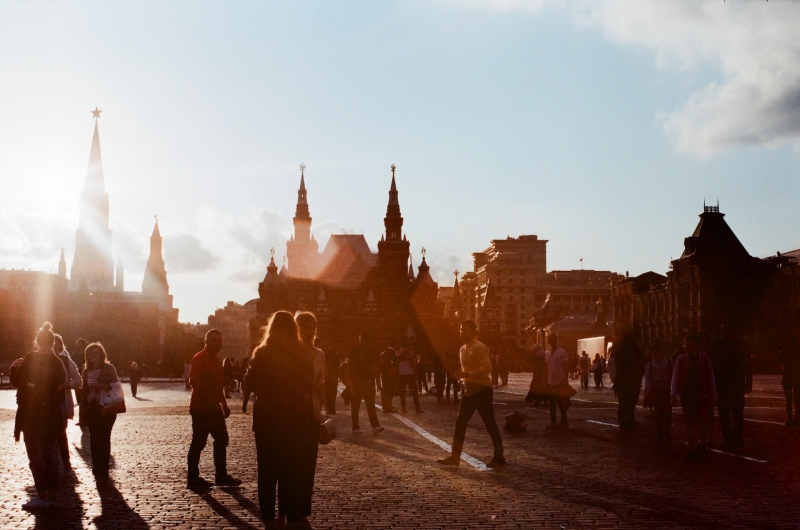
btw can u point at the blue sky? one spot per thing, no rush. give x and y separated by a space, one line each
600 126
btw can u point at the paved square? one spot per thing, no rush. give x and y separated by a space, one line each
589 476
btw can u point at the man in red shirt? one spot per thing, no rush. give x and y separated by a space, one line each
209 410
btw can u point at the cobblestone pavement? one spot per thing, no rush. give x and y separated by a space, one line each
588 476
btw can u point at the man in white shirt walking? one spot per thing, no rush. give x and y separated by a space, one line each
476 374
556 360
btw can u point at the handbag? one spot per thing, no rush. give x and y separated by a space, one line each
113 401
327 431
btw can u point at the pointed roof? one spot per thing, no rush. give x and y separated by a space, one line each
393 192
271 279
94 173
714 238
322 297
410 269
156 231
490 298
424 274
371 296
301 211
456 302
62 256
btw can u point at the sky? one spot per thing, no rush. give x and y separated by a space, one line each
601 126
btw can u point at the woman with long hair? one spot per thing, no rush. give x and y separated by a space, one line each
97 377
40 392
281 375
72 379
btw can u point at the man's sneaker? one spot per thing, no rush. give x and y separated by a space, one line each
378 429
451 460
228 481
496 462
357 430
198 483
36 503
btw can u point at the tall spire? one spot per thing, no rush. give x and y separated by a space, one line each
394 220
302 249
94 173
92 262
155 275
62 265
456 303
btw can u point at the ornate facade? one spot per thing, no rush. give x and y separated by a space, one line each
92 303
349 287
714 280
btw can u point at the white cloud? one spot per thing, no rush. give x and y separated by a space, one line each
33 241
185 253
754 46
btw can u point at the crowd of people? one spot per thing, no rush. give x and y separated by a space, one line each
292 379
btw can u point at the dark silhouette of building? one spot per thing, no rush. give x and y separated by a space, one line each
351 288
93 303
714 280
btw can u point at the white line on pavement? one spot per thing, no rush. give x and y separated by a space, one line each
750 458
471 460
603 423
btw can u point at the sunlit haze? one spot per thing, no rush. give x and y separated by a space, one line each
600 126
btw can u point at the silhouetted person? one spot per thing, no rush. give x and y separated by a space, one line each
307 330
388 369
281 375
209 409
72 379
790 358
79 357
597 370
584 363
439 376
734 378
476 373
407 370
362 364
332 363
694 388
558 364
40 392
135 378
657 383
452 365
628 383
98 376
536 392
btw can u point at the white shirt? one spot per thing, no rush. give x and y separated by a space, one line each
555 366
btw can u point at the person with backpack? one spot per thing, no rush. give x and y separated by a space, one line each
657 381
40 392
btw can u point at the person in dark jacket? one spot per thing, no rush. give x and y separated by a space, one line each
628 383
98 376
733 374
281 375
40 392
789 357
135 378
